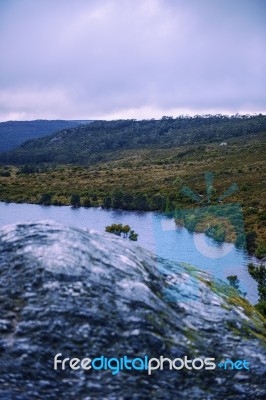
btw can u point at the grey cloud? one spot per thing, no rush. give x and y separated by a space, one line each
89 59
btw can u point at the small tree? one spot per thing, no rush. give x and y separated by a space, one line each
122 230
141 202
258 272
260 251
87 202
234 282
75 200
45 199
107 202
251 238
133 236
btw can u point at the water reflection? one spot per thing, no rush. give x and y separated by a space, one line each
157 232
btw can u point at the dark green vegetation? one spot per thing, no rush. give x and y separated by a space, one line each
234 282
13 133
221 222
150 174
75 200
104 140
124 230
259 274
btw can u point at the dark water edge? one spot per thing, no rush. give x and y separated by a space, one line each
157 233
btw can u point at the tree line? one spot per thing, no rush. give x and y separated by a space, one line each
101 140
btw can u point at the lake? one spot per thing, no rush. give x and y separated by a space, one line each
157 232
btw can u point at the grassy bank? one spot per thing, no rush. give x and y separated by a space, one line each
153 179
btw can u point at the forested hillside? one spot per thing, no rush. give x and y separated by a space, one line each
13 133
101 140
144 166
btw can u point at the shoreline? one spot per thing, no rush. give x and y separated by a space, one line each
251 254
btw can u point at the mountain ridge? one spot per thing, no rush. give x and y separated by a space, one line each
14 133
94 142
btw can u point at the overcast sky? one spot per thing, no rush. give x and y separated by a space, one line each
91 59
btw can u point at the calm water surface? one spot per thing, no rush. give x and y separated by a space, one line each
157 232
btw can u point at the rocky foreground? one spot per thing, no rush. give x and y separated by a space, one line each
82 294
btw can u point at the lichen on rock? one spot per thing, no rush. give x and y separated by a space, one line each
84 294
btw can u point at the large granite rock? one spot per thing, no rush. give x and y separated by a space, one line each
84 294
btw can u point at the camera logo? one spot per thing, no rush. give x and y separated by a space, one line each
207 234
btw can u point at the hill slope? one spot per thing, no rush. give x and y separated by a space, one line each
95 142
13 133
